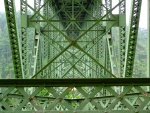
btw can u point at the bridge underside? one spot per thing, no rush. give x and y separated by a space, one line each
65 61
75 95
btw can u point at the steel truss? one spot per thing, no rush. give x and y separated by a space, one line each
67 60
74 95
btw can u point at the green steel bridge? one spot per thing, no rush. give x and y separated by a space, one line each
72 66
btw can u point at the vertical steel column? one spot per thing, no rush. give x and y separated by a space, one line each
50 35
110 51
102 45
35 52
148 38
12 31
38 64
133 33
24 39
45 42
107 57
122 39
39 59
108 6
109 36
37 6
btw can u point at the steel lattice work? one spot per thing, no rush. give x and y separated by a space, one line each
65 62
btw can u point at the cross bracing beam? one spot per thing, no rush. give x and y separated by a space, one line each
72 42
88 54
82 33
75 96
76 99
70 53
72 45
80 111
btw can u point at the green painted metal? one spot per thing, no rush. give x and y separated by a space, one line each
122 30
13 36
148 27
47 97
24 43
132 40
72 65
76 82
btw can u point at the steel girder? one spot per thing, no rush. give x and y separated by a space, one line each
73 43
122 33
132 40
72 39
24 43
74 95
13 36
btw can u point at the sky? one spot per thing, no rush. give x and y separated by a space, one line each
143 18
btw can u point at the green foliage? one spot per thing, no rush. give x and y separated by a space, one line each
6 67
140 62
140 65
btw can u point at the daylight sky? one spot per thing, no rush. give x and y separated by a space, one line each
143 19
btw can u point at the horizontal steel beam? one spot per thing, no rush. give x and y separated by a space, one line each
75 82
20 96
70 20
67 30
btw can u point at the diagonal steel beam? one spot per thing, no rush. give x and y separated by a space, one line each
132 38
98 21
56 13
52 60
68 38
77 46
39 10
13 36
67 59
